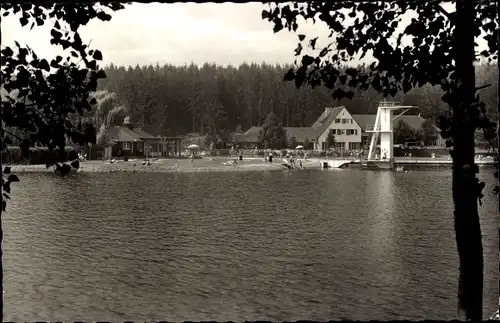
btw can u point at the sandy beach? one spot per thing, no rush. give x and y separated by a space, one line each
171 165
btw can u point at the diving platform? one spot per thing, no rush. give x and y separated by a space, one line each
383 132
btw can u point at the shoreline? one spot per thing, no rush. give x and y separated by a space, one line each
216 165
159 167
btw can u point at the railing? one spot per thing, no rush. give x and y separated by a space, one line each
371 127
388 103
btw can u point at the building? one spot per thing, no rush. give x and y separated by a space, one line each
366 122
131 141
350 130
337 120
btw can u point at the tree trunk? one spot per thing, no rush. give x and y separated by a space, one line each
498 137
464 182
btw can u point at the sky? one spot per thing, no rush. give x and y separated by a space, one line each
178 33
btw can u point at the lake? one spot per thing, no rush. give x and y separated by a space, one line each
318 245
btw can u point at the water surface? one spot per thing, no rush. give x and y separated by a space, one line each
316 245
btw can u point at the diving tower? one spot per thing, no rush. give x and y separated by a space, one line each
383 130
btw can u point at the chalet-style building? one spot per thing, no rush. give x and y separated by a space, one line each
350 130
346 130
135 142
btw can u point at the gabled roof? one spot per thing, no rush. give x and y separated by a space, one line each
143 134
122 133
300 134
326 118
414 121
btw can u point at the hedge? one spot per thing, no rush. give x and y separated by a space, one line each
38 156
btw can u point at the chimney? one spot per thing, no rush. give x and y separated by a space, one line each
327 111
126 123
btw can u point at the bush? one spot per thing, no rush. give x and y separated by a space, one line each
38 156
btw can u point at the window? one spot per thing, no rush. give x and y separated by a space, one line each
343 131
352 121
139 146
339 132
356 132
323 146
345 120
337 120
354 145
126 145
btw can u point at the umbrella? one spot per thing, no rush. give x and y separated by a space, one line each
193 146
299 147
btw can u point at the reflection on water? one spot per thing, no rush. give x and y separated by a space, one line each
246 246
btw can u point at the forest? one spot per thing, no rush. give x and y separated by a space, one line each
173 100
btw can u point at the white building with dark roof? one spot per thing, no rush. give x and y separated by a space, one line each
337 120
350 130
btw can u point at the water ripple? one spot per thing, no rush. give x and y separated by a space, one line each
245 246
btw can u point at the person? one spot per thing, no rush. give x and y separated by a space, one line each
270 156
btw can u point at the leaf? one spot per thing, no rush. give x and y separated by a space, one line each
103 16
55 34
289 76
97 55
264 14
6 195
23 20
7 51
302 37
13 178
6 170
44 65
4 205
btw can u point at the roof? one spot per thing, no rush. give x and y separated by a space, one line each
414 121
326 119
300 134
143 134
121 133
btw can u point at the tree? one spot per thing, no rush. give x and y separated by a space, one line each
330 139
429 132
166 96
292 142
442 52
41 97
307 144
106 111
273 134
403 132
